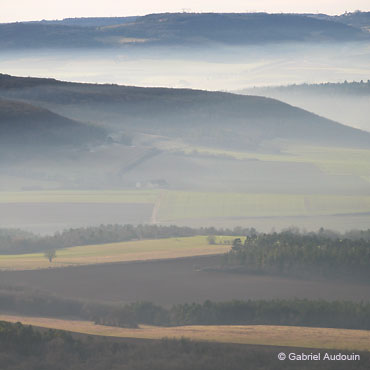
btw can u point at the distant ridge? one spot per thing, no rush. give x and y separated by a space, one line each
178 29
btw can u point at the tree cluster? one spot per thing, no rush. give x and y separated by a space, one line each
305 255
296 312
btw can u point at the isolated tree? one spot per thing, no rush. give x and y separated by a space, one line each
50 254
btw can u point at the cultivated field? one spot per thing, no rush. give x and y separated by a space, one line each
333 160
187 205
323 338
303 185
50 211
139 250
171 281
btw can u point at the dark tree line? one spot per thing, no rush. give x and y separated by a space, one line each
27 348
292 312
305 255
298 312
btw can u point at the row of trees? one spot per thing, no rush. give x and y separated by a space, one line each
300 312
303 255
293 312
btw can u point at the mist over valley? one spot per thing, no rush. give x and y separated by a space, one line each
204 176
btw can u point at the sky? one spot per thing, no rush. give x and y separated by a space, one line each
23 10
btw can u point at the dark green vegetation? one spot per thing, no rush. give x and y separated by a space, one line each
177 28
310 255
25 347
291 312
324 314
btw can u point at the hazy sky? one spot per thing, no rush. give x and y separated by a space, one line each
18 10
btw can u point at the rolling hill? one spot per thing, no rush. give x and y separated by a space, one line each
214 119
179 29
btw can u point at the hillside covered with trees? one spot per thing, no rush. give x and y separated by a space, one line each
310 255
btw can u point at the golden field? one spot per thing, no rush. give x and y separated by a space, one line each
138 250
292 336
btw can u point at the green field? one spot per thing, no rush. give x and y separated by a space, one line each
333 160
172 206
186 205
292 336
138 250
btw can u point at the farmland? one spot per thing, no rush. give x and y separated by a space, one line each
172 281
333 160
51 211
323 338
307 186
115 252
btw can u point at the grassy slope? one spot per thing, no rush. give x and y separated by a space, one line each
323 338
115 252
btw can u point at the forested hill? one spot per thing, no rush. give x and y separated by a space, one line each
208 118
179 29
23 124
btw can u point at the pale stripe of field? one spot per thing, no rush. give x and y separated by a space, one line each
138 250
79 196
291 336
